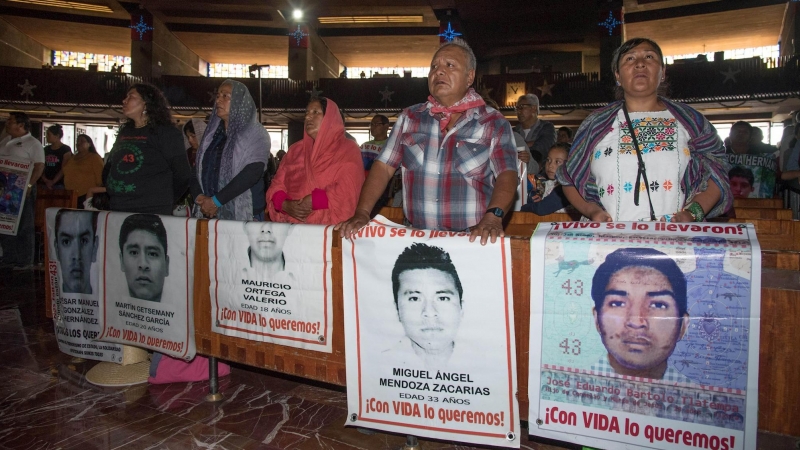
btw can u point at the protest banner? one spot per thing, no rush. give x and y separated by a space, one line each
645 334
14 178
271 282
72 267
429 335
146 282
753 176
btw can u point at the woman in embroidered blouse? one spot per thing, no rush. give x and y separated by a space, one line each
320 177
685 171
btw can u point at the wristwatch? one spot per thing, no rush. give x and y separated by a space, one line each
496 211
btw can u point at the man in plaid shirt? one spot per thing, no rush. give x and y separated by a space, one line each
640 312
458 156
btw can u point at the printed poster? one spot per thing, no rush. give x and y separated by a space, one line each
753 176
14 176
271 282
146 282
429 328
72 267
645 334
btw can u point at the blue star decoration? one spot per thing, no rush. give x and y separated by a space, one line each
297 34
449 34
386 95
141 27
610 23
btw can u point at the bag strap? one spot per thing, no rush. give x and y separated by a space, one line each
642 172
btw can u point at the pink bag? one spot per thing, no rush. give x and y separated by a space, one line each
172 370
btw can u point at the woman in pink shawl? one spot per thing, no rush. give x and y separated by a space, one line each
320 178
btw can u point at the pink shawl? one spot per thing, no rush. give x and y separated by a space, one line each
331 163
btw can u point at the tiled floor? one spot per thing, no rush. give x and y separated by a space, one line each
45 402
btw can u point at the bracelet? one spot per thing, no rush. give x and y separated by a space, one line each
696 211
216 202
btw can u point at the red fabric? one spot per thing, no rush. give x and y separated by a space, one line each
443 113
331 163
172 370
319 199
278 198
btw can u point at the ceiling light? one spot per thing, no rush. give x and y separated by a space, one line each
69 5
370 19
297 14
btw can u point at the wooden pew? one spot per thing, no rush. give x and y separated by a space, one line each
758 203
47 198
746 212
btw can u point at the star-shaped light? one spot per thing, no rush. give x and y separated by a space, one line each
386 95
297 34
547 89
314 93
141 27
449 34
27 89
730 74
610 23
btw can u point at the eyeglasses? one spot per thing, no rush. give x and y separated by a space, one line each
521 107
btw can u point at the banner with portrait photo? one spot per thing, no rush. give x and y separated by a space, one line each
645 334
14 179
753 176
271 282
429 335
146 282
72 267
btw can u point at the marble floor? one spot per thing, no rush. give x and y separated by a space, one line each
45 402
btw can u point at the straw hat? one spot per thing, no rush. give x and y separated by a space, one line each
114 375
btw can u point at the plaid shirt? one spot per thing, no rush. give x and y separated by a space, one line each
603 367
448 180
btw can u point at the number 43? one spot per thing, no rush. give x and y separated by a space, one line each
575 349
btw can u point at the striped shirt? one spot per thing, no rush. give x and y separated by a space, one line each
448 180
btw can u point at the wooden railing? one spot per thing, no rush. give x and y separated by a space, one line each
778 384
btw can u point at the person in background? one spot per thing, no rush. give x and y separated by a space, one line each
538 134
551 199
147 170
379 130
742 182
19 144
56 154
740 140
757 141
193 130
84 170
791 172
232 158
320 177
564 135
684 173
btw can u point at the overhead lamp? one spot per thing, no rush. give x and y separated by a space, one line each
66 4
297 14
370 19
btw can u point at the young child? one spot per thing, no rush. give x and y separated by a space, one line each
552 200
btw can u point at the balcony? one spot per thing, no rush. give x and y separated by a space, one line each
731 80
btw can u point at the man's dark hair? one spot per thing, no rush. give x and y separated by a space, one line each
64 211
423 256
743 124
742 172
384 119
150 223
188 127
21 117
567 130
639 257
